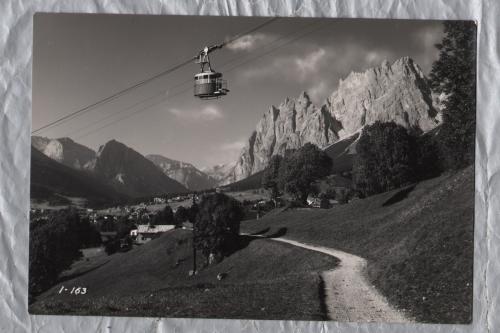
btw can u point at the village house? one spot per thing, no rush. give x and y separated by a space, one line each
145 232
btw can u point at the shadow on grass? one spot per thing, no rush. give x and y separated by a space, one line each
77 274
242 241
399 196
260 232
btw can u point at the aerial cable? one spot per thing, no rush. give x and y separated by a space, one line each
141 83
189 88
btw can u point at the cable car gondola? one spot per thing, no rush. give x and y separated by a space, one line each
208 84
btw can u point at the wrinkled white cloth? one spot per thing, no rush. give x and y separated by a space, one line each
16 18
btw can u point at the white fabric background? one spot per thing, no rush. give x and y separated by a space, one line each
16 17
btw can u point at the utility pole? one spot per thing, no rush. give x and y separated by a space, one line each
194 245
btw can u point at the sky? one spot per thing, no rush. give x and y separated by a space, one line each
79 59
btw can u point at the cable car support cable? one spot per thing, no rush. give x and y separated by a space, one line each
120 93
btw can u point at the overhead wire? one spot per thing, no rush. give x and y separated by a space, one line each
222 66
189 88
122 92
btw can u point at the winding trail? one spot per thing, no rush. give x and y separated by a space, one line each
349 296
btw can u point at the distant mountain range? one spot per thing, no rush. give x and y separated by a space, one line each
185 173
115 165
397 93
50 178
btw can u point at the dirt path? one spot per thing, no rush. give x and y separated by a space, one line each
349 296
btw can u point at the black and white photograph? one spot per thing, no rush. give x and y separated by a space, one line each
269 168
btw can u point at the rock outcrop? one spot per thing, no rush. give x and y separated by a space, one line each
389 93
65 151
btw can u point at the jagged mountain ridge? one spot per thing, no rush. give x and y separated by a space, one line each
185 173
50 178
117 165
65 151
396 93
218 172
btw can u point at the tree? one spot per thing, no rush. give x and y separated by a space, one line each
54 245
193 212
270 177
300 168
385 158
124 226
217 225
165 216
454 76
181 215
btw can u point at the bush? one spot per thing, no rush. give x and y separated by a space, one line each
324 202
385 158
111 246
217 225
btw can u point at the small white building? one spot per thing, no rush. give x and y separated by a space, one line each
145 232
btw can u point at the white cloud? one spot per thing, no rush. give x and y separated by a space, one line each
291 67
310 63
209 112
248 42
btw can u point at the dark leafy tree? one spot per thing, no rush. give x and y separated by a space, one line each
385 158
165 216
217 225
454 76
429 161
124 226
181 215
193 212
300 168
54 245
270 177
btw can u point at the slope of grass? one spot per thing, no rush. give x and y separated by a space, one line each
264 280
418 242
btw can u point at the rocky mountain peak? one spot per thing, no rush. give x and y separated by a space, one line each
185 173
397 92
65 151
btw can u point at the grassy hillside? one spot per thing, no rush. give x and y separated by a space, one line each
265 280
418 242
251 182
341 156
